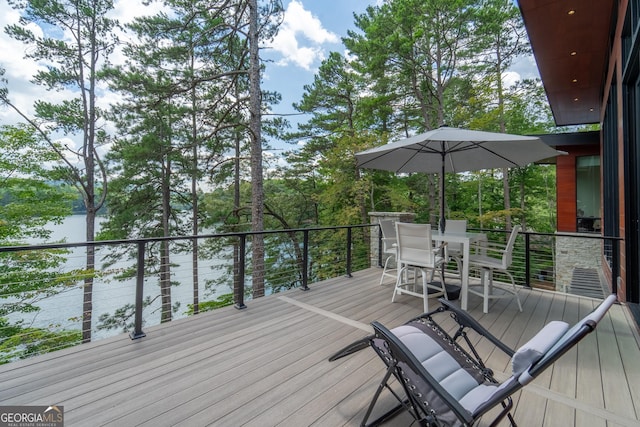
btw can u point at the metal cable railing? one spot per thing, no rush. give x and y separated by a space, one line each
558 261
134 284
43 288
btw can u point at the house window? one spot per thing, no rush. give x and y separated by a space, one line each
588 193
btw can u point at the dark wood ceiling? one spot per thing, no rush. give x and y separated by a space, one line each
571 43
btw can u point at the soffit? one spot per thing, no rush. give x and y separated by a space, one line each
572 51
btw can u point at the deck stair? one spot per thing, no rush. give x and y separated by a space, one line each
586 282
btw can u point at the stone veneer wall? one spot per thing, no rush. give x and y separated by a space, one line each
376 217
571 253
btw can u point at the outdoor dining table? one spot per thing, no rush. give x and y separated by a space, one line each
467 239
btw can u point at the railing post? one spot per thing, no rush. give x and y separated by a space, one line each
305 260
527 261
380 264
239 293
137 332
349 252
615 267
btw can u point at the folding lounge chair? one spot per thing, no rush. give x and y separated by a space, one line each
445 382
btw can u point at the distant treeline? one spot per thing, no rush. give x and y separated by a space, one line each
77 205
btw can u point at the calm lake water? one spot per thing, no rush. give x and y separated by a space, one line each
64 311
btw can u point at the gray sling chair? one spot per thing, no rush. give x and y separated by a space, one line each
446 383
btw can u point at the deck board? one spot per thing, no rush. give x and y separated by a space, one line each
267 365
627 345
589 383
617 396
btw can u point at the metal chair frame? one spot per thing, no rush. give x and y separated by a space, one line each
416 254
429 401
495 258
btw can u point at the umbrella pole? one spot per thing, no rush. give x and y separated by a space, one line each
443 221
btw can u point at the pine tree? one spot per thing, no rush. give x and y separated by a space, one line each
74 65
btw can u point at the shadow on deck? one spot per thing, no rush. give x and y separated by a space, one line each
267 365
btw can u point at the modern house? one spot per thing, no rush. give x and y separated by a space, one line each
579 201
267 364
588 55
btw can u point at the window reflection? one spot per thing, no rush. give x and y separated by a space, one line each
588 194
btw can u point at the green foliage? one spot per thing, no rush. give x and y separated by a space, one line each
28 198
424 64
222 301
19 342
413 65
29 201
26 278
72 66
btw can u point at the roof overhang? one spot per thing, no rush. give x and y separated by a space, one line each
555 140
571 42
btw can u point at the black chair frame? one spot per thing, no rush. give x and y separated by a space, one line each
425 398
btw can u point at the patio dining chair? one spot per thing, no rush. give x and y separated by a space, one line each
389 248
495 258
454 250
441 379
416 254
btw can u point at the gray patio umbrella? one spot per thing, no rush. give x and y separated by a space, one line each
449 149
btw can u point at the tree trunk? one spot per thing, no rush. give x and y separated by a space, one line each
194 197
238 287
507 197
88 100
257 192
165 267
87 302
505 171
434 204
523 221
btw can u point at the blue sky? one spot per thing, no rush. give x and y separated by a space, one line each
311 29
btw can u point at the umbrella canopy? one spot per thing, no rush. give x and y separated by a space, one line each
455 150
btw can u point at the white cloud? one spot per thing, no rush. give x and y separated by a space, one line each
18 70
526 67
125 11
300 37
510 78
523 67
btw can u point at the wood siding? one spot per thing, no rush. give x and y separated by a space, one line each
566 184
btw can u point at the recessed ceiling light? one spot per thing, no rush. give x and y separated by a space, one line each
574 53
575 80
571 12
575 99
591 109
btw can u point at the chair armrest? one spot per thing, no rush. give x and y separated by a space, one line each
466 321
391 241
491 248
441 250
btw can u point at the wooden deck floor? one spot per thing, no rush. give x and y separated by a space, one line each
267 365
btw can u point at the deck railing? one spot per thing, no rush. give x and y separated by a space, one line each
563 262
125 296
